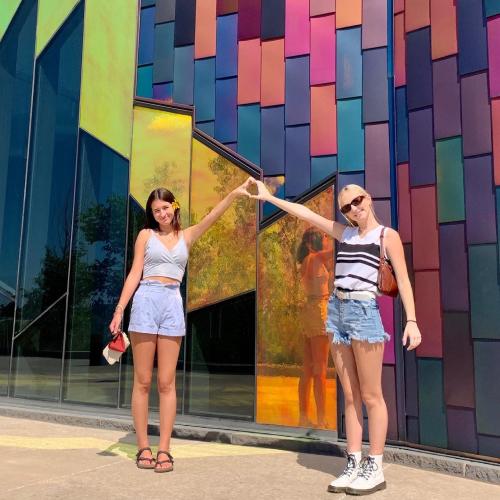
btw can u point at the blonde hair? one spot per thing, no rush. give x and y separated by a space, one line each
360 190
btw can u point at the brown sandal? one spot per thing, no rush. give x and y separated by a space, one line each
139 459
161 462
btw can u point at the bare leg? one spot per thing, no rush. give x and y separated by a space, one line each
345 365
369 358
168 354
143 350
319 351
305 384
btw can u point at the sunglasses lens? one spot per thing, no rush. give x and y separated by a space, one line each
357 201
346 208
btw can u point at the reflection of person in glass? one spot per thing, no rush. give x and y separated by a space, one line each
354 321
157 317
315 258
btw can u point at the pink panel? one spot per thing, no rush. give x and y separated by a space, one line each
417 14
399 6
386 305
443 28
204 40
428 309
249 71
272 89
323 121
322 50
320 7
297 28
424 228
495 126
374 31
494 55
399 50
404 203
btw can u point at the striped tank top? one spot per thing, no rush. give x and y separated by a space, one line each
356 267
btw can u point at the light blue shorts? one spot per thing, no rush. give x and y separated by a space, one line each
350 319
157 309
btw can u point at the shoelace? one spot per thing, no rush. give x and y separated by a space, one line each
367 467
351 465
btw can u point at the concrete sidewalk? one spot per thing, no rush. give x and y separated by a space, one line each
46 460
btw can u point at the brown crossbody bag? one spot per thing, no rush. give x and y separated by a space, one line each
387 283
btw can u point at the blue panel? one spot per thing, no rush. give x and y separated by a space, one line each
349 63
298 96
273 140
249 132
184 74
185 16
273 19
486 356
375 90
165 11
351 136
207 127
204 89
146 36
147 3
411 383
298 160
163 91
227 46
489 445
322 167
226 115
422 153
472 40
419 68
401 126
144 83
163 68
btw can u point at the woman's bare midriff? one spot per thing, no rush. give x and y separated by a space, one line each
162 279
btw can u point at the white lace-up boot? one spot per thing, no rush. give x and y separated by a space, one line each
370 477
348 475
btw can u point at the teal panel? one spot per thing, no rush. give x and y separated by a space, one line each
484 291
144 86
432 410
450 180
204 89
492 7
249 132
322 167
351 135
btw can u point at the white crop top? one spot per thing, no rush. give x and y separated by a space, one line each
161 261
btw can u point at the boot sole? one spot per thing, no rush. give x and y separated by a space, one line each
352 491
336 489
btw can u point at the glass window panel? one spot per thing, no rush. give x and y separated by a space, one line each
98 261
295 279
6 319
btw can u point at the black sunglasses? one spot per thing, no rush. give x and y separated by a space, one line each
345 209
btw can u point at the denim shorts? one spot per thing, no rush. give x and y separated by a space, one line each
157 309
351 319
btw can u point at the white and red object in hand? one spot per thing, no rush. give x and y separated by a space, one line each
116 347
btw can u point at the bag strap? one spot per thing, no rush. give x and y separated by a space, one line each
382 250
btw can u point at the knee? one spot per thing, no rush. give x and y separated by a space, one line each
142 383
166 386
372 399
351 398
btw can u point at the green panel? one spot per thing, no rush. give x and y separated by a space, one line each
450 180
145 81
492 7
498 224
351 135
51 15
7 10
432 410
108 72
249 132
484 291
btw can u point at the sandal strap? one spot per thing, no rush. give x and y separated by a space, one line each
170 457
139 452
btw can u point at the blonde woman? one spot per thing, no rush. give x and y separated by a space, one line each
355 325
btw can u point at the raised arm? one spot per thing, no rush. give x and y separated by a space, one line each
332 228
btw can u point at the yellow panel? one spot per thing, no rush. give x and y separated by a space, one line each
51 15
295 279
161 154
108 70
8 9
222 262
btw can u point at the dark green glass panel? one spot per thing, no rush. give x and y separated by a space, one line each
6 318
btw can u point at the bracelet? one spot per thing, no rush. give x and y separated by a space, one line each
119 306
411 320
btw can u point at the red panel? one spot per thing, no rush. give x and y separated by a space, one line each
204 39
320 7
443 28
273 73
297 28
226 7
323 111
399 50
399 6
349 13
417 14
404 203
495 125
322 50
494 55
428 309
249 55
424 228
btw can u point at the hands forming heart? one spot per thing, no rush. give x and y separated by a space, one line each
253 189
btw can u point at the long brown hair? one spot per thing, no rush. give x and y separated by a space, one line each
163 195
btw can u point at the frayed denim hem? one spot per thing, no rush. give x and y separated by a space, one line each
337 339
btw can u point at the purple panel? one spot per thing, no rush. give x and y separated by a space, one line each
489 445
476 115
375 96
419 68
374 24
453 263
458 360
446 88
422 155
248 19
383 210
480 200
297 160
411 383
412 430
461 430
389 390
297 96
377 162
